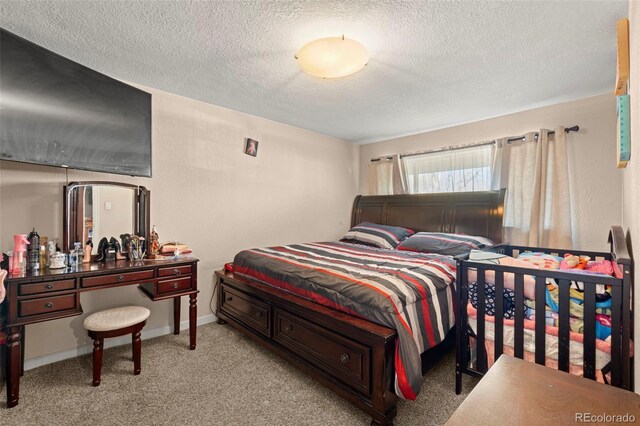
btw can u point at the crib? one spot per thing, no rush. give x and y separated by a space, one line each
476 359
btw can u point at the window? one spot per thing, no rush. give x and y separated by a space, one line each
456 170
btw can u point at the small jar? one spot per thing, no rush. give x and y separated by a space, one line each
57 261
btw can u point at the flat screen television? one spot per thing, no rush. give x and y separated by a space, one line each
56 112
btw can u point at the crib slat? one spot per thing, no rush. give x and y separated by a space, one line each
460 307
626 329
540 320
589 348
563 326
518 349
481 361
616 304
499 330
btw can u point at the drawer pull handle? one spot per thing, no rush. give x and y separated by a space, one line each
260 314
344 358
177 272
174 285
229 299
48 286
288 328
120 278
48 305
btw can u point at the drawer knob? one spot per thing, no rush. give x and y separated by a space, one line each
229 299
120 278
174 285
48 286
288 328
177 272
344 358
48 305
260 314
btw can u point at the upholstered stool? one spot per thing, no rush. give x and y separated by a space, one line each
113 323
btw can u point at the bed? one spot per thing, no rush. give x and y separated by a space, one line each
270 298
585 327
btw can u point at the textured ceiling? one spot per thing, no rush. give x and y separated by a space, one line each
433 63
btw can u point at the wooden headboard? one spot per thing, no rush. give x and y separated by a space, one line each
472 213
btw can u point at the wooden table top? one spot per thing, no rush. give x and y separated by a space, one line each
520 392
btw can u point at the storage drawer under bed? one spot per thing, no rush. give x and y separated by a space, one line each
247 309
344 359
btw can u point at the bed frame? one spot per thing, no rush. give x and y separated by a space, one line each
622 328
351 356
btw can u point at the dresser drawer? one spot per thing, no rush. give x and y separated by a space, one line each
117 278
175 284
249 310
344 359
46 287
46 305
175 271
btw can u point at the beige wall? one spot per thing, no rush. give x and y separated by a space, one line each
632 172
204 191
592 153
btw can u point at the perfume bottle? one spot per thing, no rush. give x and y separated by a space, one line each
77 247
74 255
43 256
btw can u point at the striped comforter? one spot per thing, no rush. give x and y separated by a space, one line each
410 292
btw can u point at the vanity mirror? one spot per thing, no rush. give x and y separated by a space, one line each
93 210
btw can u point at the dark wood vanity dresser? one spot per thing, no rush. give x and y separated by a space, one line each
53 294
49 294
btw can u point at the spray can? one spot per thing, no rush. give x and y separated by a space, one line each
33 255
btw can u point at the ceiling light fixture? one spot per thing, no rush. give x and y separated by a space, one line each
332 57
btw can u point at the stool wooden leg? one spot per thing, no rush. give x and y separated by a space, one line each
137 352
97 361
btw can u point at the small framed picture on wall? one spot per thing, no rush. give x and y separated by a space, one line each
251 147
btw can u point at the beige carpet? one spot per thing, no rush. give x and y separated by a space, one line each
227 380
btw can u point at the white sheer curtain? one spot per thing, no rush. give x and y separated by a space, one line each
535 173
451 170
385 176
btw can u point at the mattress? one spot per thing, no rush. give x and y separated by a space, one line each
410 292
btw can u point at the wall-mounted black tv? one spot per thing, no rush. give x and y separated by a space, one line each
57 112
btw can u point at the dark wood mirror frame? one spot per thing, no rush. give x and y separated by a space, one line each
72 223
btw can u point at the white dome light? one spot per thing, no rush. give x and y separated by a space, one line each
332 57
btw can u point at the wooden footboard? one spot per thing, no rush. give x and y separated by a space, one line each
351 356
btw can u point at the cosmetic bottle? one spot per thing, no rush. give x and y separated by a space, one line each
77 247
19 256
73 257
43 256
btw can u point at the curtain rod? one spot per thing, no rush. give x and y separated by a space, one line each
567 130
454 148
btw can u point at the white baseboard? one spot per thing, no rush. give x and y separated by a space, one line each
110 343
